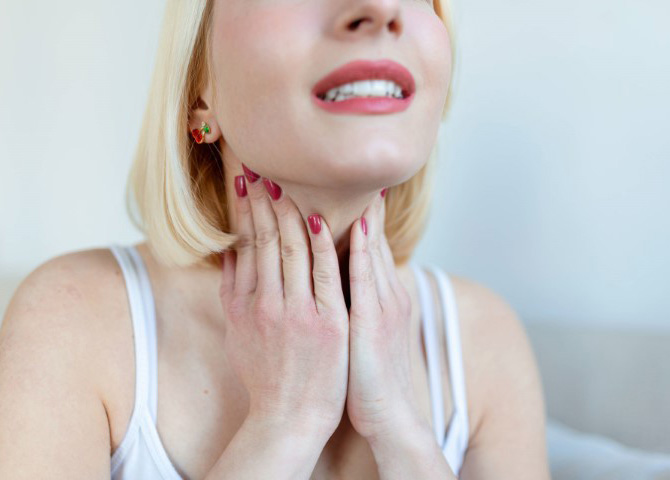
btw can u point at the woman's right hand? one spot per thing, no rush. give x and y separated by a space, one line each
287 326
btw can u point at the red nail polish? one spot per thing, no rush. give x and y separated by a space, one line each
251 175
273 189
240 186
364 224
384 192
314 223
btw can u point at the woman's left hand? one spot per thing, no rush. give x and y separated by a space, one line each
380 399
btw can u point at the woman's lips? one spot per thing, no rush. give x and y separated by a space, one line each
372 105
366 70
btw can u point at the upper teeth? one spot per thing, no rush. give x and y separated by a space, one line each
365 88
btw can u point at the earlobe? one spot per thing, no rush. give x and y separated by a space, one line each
203 131
198 134
202 126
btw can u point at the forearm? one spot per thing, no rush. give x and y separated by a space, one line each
412 453
261 451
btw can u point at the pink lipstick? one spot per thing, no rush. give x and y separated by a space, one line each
366 70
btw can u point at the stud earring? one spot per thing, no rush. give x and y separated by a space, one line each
199 133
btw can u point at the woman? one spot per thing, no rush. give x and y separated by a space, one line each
274 313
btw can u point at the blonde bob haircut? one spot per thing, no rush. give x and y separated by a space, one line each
177 186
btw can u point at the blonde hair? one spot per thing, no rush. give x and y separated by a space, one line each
178 186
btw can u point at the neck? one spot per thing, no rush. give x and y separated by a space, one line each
339 208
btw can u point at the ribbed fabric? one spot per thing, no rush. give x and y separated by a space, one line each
141 454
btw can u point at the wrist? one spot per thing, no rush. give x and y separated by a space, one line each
412 452
266 448
295 446
405 430
413 439
303 431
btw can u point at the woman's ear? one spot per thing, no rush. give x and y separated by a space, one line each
201 112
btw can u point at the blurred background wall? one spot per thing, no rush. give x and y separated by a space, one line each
557 160
555 157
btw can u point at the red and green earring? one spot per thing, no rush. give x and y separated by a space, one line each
199 133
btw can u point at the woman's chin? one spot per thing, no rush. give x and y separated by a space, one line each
362 171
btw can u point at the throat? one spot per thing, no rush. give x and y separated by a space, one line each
342 250
344 276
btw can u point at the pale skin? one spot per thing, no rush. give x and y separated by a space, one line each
343 408
282 325
278 50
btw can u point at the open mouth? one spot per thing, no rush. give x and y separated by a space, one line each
373 88
366 78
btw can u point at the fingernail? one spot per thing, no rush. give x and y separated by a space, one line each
251 175
314 223
273 189
240 186
384 192
364 224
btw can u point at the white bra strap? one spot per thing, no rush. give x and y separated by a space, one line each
137 312
149 317
432 352
455 357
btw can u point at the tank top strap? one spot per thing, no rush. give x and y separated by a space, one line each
143 313
458 433
428 327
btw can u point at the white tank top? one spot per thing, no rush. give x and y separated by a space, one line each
141 454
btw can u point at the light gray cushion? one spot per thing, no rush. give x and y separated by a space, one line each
574 455
615 383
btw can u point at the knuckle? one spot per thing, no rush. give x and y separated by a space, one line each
364 276
236 308
328 322
304 308
265 318
336 326
323 277
245 241
321 248
333 330
265 308
266 237
291 250
281 208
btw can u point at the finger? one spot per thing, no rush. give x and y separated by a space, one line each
245 274
296 269
375 222
399 290
364 298
268 256
328 294
227 277
387 253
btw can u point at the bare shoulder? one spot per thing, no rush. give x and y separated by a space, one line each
508 431
65 304
52 351
490 325
75 280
